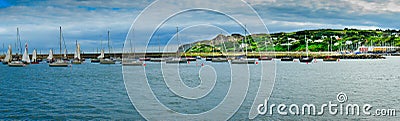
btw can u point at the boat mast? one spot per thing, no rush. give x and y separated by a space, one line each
330 45
108 43
130 43
234 45
60 42
288 45
306 45
223 43
76 50
245 38
179 43
159 44
212 47
19 42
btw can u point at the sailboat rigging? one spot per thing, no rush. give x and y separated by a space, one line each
287 58
60 62
306 59
17 62
108 60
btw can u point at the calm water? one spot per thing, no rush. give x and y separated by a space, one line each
93 91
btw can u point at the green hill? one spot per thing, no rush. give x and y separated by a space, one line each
344 39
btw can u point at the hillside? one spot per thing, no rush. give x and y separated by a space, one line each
345 39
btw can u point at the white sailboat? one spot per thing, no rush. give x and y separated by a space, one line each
8 57
60 62
50 58
65 57
34 57
25 56
101 56
77 54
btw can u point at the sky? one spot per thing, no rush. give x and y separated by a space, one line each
87 21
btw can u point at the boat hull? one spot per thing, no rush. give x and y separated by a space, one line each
287 59
219 60
95 60
176 61
330 59
264 58
243 61
34 62
157 60
107 62
133 64
191 59
58 65
309 59
16 65
76 62
144 59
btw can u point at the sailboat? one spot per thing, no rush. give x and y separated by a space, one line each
8 57
25 60
50 58
330 58
161 59
60 62
17 62
132 61
243 59
97 60
34 57
101 56
306 59
218 59
287 58
178 58
261 58
108 60
25 56
210 58
65 56
77 54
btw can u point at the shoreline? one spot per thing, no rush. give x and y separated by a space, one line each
318 55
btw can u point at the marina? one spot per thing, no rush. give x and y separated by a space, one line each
161 57
207 60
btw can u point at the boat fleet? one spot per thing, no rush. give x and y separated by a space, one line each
133 60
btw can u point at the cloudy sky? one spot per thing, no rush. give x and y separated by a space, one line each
89 20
